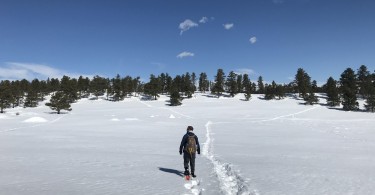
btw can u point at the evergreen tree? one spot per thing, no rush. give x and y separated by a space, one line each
127 86
232 83
239 83
280 91
364 81
175 97
59 101
218 87
203 82
153 87
314 86
83 87
311 99
194 81
54 84
246 83
32 96
332 92
117 89
303 81
168 85
349 89
260 85
98 86
269 92
370 100
17 92
163 82
188 87
6 96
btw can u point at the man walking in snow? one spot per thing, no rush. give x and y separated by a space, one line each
189 146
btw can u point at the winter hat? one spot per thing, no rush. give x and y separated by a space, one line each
190 128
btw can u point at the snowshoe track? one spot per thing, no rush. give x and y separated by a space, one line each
231 182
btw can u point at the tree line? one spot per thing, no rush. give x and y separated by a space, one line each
351 86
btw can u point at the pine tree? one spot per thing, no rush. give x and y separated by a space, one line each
59 101
349 89
83 87
332 92
117 89
194 81
70 88
370 100
246 83
240 86
98 86
188 87
261 88
231 83
153 87
17 92
175 97
303 81
280 91
314 86
311 99
32 96
364 81
218 87
203 83
5 95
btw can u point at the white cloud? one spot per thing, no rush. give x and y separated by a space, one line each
253 40
29 71
228 26
203 20
245 71
186 25
185 54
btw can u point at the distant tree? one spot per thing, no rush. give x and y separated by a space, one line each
270 91
314 86
33 92
70 88
333 98
231 83
303 81
203 82
246 83
83 86
194 81
175 97
98 86
349 89
218 86
54 84
153 87
311 99
280 91
168 84
364 81
59 101
261 88
127 86
17 92
5 95
370 100
117 89
163 83
240 87
188 87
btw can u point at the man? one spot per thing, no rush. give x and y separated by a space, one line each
189 145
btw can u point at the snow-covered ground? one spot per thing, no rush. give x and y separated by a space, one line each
131 147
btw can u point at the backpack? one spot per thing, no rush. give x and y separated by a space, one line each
191 146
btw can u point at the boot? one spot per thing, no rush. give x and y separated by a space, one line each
186 172
192 174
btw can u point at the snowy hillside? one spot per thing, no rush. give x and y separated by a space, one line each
131 147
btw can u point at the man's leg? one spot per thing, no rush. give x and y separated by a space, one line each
192 164
186 163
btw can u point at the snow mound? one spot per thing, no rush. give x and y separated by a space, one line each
115 119
36 120
172 116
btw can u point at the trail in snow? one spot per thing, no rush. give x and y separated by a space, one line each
231 182
193 186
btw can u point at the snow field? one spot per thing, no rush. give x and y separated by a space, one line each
131 147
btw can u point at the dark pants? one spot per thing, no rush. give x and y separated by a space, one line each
189 158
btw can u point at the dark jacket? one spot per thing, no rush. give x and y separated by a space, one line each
185 140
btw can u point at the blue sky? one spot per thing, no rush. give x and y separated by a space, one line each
269 38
